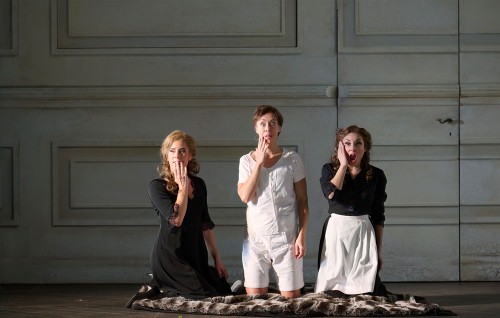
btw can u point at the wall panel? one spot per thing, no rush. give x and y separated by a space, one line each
153 26
96 183
479 194
397 26
398 77
9 32
9 185
480 140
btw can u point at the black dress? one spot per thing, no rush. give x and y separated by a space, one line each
179 258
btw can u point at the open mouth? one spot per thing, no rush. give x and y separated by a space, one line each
352 157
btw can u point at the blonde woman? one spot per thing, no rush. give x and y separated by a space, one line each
179 258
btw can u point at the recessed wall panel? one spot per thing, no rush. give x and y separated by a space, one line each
102 183
173 26
106 183
9 192
423 17
397 26
8 27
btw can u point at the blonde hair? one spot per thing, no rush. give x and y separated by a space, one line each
164 167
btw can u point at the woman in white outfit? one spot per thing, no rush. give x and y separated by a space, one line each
350 252
272 183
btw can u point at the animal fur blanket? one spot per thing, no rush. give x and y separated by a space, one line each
310 304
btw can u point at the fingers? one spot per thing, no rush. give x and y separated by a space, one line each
180 173
300 251
260 152
341 154
262 144
341 149
223 273
176 169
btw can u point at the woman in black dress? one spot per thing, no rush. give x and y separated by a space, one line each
179 258
350 253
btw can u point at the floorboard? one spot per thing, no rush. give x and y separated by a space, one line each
467 299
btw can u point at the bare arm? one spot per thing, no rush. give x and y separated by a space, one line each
209 237
338 178
300 188
182 180
246 190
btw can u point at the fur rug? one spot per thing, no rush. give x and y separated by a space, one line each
310 304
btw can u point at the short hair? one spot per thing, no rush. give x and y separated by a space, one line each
265 109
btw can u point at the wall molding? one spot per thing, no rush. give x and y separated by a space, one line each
162 92
480 90
475 214
398 91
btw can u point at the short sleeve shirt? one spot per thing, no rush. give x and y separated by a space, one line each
273 209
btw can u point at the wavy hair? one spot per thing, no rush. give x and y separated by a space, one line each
367 140
164 167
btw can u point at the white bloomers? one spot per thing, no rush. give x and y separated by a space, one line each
263 252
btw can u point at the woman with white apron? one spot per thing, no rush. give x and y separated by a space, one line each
350 249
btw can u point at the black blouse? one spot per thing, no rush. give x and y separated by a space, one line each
360 196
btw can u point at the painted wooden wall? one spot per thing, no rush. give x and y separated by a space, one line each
89 88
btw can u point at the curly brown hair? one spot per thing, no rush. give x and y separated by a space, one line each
367 140
164 167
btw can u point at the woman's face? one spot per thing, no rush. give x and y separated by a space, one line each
354 147
267 127
178 152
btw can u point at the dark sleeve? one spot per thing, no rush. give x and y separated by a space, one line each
163 202
206 221
378 207
326 176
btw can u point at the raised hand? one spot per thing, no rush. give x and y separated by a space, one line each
341 154
260 152
180 174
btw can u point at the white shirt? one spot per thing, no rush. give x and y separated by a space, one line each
274 207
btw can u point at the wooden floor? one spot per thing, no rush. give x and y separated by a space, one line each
465 299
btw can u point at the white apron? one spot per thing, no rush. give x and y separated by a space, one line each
349 257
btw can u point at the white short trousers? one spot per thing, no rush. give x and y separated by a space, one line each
263 252
349 256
